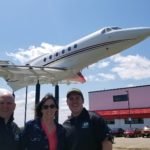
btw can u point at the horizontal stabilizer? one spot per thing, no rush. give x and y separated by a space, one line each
78 78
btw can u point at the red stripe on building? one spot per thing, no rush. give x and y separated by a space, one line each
125 113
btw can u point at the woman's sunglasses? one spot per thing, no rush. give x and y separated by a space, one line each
52 106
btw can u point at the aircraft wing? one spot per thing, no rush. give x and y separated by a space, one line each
19 76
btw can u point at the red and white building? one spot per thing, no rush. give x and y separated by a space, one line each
123 107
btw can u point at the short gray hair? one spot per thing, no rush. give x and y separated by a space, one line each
6 92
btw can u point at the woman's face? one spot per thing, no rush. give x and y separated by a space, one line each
49 109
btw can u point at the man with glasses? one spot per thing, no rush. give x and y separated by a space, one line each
85 130
9 131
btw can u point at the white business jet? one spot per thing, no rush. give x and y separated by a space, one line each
65 65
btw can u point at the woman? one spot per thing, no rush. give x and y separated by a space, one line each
44 133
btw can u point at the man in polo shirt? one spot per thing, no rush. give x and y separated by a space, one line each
85 130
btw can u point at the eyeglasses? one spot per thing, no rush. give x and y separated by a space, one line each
7 103
52 106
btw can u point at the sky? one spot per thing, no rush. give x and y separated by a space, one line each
30 28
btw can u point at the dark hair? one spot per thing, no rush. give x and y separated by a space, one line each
38 113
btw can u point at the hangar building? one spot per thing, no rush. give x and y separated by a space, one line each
123 107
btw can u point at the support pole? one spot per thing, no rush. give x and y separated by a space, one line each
57 100
129 117
37 94
25 112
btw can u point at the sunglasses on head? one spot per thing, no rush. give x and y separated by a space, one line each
48 106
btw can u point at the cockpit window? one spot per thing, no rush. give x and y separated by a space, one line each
116 28
103 31
106 30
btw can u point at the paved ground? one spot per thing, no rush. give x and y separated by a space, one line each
131 143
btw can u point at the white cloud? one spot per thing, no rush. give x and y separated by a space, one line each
107 76
130 85
20 107
19 114
100 64
100 77
90 78
132 67
24 55
92 66
103 64
126 67
64 111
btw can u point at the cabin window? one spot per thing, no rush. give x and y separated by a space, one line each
75 45
50 57
63 51
44 59
56 54
69 48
